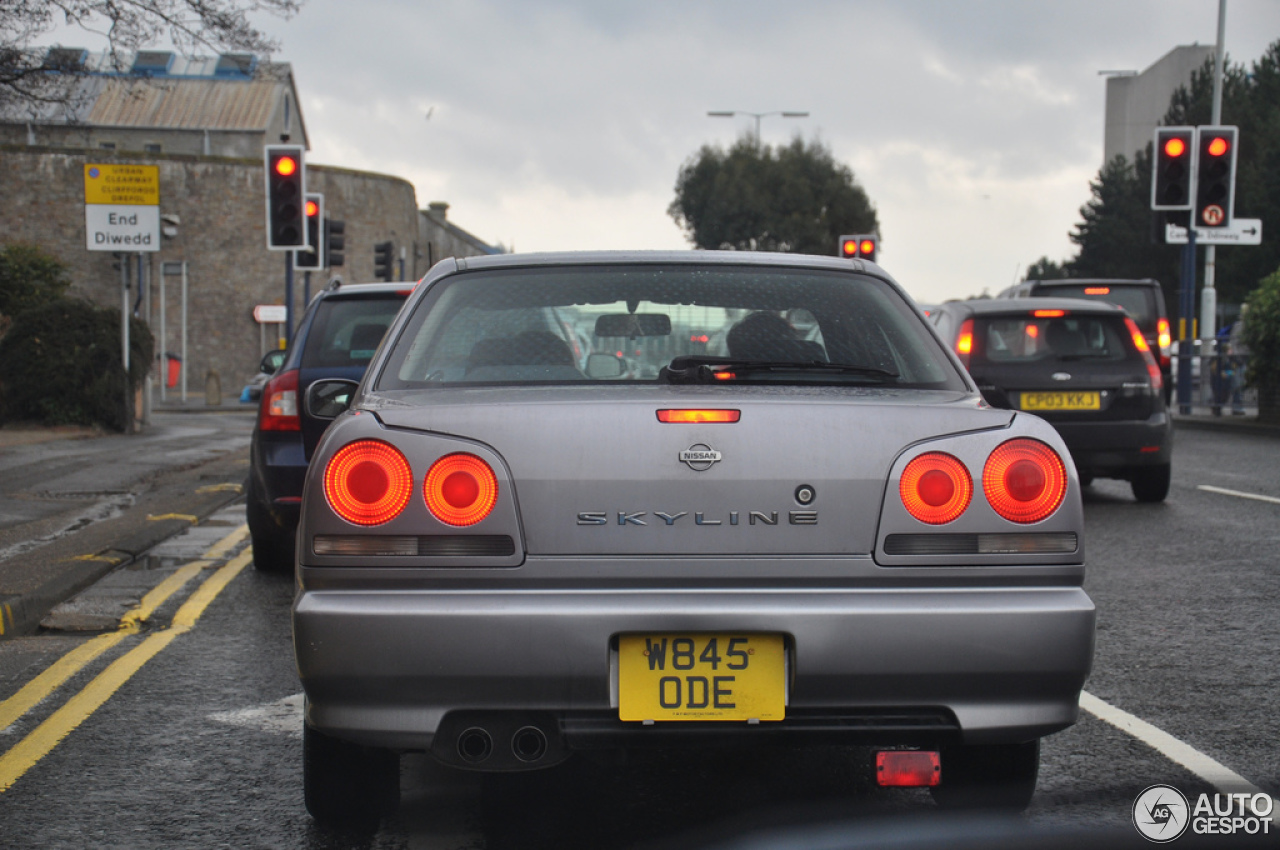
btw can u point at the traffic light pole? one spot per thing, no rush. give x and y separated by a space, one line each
288 296
1187 312
1209 296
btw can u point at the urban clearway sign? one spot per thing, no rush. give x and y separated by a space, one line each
122 207
1243 231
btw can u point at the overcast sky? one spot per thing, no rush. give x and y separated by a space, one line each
975 127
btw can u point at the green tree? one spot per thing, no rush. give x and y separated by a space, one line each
1262 335
28 278
795 198
1044 269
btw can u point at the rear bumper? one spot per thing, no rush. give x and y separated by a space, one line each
1102 447
995 664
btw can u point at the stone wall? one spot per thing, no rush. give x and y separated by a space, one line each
221 205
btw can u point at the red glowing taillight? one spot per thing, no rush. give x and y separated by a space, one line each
935 488
460 489
368 482
1140 343
1097 290
908 768
1024 480
701 416
964 342
279 409
1163 339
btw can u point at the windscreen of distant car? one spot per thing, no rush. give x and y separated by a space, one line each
666 324
1138 301
1025 339
347 331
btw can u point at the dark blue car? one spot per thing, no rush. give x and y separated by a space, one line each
336 338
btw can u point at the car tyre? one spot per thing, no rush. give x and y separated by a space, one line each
988 776
346 785
1151 484
272 550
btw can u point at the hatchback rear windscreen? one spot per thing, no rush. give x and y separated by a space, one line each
1138 301
1031 339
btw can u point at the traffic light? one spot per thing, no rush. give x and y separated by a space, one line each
286 186
1216 178
1173 165
333 231
862 246
313 260
382 261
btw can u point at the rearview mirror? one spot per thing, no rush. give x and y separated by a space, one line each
631 325
329 398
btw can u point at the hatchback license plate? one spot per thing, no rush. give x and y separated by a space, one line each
1061 401
701 677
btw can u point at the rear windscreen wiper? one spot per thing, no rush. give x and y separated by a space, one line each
702 369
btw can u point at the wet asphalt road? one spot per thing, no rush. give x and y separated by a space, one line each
202 748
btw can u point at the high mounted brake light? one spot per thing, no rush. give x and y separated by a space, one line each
368 482
460 489
1097 290
699 415
1049 314
936 488
1024 480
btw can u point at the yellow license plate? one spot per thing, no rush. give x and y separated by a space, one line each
701 677
1061 401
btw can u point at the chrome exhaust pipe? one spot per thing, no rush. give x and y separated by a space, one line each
529 744
475 745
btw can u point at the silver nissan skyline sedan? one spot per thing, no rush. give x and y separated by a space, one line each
617 501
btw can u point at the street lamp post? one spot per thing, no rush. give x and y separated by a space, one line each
757 116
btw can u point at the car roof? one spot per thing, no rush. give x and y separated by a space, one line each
736 258
1023 306
1091 281
401 287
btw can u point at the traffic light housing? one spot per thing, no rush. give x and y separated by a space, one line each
862 246
382 262
1216 176
286 188
333 231
1173 168
312 260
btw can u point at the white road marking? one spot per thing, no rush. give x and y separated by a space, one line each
282 717
1222 778
1257 497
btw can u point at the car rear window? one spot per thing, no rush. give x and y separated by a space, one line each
1029 339
347 331
1138 301
612 324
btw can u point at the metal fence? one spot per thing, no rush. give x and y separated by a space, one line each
1218 379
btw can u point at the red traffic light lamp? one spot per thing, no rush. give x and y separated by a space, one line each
1216 176
863 246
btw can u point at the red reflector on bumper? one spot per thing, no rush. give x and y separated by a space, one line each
908 768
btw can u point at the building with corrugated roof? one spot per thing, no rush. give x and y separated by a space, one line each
203 123
163 102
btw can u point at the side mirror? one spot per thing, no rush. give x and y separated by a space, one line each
272 361
605 366
328 398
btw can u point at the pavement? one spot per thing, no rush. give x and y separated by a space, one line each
59 560
35 581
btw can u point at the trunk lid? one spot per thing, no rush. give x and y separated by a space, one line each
596 474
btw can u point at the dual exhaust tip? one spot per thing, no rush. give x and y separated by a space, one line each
528 744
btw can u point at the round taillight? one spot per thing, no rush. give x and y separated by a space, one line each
1024 480
368 482
935 488
460 489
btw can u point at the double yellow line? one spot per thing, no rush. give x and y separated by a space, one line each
41 740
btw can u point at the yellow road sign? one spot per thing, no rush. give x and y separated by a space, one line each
122 184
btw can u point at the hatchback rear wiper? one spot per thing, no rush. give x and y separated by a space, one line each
703 369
